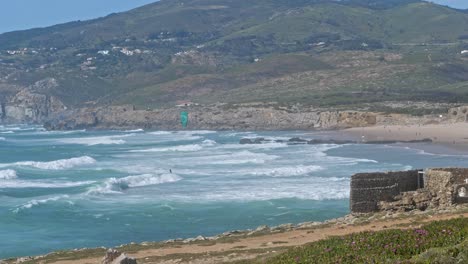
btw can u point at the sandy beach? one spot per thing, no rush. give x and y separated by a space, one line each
454 135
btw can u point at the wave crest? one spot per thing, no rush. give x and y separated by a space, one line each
62 164
33 203
8 174
93 141
286 171
118 185
183 148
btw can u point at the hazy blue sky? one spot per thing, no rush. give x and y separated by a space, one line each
24 14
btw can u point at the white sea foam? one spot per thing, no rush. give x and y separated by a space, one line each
407 168
183 148
197 132
62 164
2 138
209 142
180 148
284 171
7 132
135 130
118 185
242 157
55 132
160 133
8 174
33 203
93 141
322 188
20 184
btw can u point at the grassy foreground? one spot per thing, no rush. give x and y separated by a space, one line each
437 242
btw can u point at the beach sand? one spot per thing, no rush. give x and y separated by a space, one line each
451 135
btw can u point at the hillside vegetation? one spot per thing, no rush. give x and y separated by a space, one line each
438 242
315 52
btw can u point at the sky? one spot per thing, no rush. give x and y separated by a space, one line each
25 14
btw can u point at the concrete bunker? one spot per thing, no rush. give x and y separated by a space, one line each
408 190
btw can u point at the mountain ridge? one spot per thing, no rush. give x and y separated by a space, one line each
318 53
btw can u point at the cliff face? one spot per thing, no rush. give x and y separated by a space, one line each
30 105
243 118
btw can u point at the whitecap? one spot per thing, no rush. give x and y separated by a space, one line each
318 189
242 157
158 133
209 142
197 132
118 185
183 148
33 203
8 174
93 141
20 184
62 164
407 168
284 171
134 130
7 132
2 138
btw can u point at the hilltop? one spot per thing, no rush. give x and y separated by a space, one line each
317 53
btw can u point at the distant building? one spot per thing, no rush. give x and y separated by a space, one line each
184 103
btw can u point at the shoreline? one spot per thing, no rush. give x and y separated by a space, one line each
447 139
244 245
440 146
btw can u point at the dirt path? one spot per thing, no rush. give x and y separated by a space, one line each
262 245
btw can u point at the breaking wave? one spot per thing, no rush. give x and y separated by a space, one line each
118 185
19 184
62 164
285 171
8 174
134 130
183 148
323 188
93 141
158 133
33 203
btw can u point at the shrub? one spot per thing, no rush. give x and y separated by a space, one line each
389 246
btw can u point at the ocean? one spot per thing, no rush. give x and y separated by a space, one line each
75 189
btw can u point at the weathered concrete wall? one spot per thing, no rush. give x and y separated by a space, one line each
406 191
443 182
459 175
368 189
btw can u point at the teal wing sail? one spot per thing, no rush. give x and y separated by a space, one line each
184 118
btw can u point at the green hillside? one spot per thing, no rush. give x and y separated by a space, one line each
316 52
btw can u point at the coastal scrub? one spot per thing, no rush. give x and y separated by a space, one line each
388 246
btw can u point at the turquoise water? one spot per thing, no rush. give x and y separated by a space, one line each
65 190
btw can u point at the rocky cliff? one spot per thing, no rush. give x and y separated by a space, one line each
33 104
213 117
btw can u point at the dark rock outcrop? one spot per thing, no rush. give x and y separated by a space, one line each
115 257
31 105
